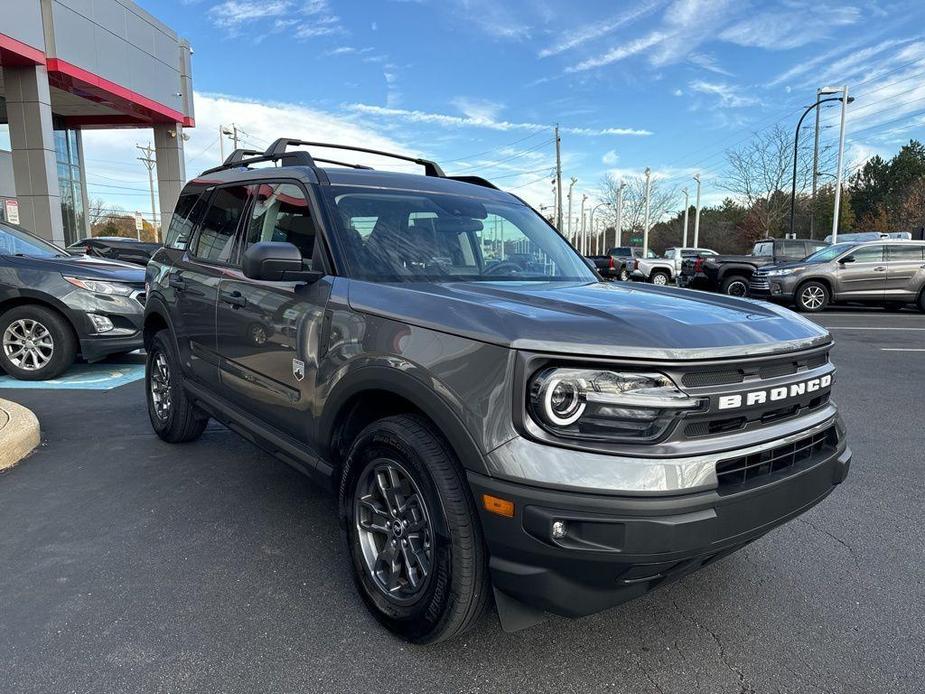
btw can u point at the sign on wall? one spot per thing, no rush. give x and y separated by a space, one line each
12 211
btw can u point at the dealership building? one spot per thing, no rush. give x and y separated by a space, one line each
70 65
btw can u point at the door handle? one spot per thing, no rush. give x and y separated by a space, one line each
177 282
235 298
880 269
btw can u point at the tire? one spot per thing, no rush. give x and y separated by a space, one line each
812 297
921 302
442 534
660 278
624 274
173 416
735 285
38 343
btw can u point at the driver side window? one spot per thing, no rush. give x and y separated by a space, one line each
281 212
868 254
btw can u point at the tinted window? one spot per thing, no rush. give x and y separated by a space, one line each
281 213
868 254
794 249
15 241
902 252
400 236
179 232
623 250
215 241
764 248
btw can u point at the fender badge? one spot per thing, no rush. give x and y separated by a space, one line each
298 369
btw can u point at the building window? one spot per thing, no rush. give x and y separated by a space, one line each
68 154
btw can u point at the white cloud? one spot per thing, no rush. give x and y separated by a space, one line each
232 13
610 158
729 96
794 25
621 52
464 121
306 19
678 92
580 37
479 109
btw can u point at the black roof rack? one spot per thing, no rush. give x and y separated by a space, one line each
278 149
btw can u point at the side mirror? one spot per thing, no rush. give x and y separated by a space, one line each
846 259
276 261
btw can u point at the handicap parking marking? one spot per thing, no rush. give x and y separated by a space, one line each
84 377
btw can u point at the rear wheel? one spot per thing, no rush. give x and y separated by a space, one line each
173 416
38 343
812 297
736 285
624 274
659 278
921 301
418 557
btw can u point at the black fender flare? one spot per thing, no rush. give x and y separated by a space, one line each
424 396
743 269
155 305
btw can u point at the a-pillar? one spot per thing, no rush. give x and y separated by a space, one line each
32 137
171 170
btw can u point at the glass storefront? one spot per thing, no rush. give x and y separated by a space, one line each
68 154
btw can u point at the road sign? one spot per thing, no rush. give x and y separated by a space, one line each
12 211
139 222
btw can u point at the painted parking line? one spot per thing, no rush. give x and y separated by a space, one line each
901 349
863 327
84 377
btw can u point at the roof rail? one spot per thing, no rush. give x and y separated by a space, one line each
242 158
278 149
239 154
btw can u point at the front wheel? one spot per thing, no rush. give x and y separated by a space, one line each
659 278
812 297
419 561
173 415
735 286
624 275
38 343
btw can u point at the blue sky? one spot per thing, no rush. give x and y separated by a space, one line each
478 84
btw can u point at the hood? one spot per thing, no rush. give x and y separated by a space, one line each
83 266
597 319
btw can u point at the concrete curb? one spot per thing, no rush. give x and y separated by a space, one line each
19 433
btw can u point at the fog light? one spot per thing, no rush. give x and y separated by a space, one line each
559 530
101 323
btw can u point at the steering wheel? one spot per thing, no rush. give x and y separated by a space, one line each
495 269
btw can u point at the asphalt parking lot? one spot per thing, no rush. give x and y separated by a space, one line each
128 565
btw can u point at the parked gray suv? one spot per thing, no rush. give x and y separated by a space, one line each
887 273
494 428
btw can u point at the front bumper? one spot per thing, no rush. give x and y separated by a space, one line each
126 313
773 288
620 547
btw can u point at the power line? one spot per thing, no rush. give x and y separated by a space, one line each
494 164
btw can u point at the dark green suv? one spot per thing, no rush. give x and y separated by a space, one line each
497 422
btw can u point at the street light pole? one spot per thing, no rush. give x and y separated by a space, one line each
686 208
594 236
697 214
618 222
812 208
841 153
584 240
796 148
645 222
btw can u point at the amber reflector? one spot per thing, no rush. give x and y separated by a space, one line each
500 507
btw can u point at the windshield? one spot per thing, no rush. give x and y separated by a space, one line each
16 241
405 236
828 253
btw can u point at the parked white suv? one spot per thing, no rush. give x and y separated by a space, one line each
679 255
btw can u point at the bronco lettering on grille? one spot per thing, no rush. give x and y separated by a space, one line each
759 397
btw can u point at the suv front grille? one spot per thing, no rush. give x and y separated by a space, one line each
759 283
772 368
760 467
728 425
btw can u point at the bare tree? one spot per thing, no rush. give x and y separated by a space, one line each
662 200
99 211
760 174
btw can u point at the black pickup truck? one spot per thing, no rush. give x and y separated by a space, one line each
729 274
618 263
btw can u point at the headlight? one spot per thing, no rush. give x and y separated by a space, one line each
606 405
780 273
101 287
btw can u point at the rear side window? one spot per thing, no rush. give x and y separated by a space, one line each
281 213
183 220
902 252
215 241
794 249
765 248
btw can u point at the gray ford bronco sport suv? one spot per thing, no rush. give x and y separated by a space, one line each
494 427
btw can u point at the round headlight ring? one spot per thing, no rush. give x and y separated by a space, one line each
562 403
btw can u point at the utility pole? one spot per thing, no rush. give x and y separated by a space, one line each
584 238
150 162
812 207
568 228
686 208
555 204
697 214
618 222
558 181
221 142
841 154
645 222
